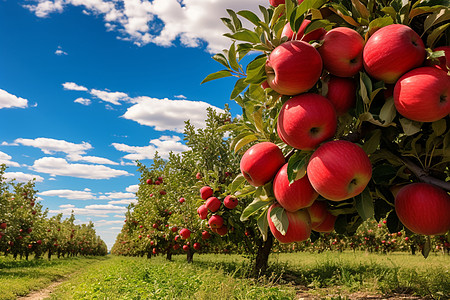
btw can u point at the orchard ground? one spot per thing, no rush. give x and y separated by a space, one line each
326 275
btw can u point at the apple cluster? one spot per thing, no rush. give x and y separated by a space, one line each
212 205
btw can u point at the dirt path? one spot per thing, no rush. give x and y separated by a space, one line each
44 293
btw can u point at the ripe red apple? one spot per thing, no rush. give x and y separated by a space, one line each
140 236
157 182
206 192
162 192
423 94
327 225
342 51
341 93
306 120
316 34
3 225
202 211
39 242
198 176
185 233
176 247
423 208
213 204
392 51
155 225
260 163
215 221
294 196
444 61
339 170
205 235
275 3
318 212
185 248
293 68
221 231
197 246
174 228
149 181
299 228
230 201
182 200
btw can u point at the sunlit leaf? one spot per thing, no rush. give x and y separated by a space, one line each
364 204
217 75
253 208
279 219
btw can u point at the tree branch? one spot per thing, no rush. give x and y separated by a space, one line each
423 176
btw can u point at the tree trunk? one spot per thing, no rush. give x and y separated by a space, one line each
262 257
49 254
190 255
413 249
169 254
149 254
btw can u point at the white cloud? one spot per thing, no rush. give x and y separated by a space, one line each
69 194
83 101
159 21
95 210
111 97
165 114
72 86
91 159
132 188
164 145
124 201
8 100
22 177
180 97
6 159
117 195
50 146
60 51
59 166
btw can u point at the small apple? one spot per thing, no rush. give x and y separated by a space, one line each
182 200
186 248
213 204
221 231
423 94
230 201
327 225
261 162
197 246
206 192
185 233
423 208
306 120
341 93
39 242
339 170
3 225
342 51
202 211
316 34
293 196
198 176
162 192
318 212
275 3
205 235
174 228
215 221
299 228
293 68
392 51
443 61
157 182
149 181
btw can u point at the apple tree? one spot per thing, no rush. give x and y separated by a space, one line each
345 109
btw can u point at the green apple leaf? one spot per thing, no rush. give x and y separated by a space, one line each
388 111
237 182
238 88
229 24
279 219
237 23
296 168
361 8
426 247
439 127
232 57
371 145
246 191
263 224
383 174
217 75
244 141
316 24
365 87
253 208
220 58
376 24
410 127
364 204
244 35
251 16
436 33
437 17
256 73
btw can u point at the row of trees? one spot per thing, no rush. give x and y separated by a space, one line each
26 229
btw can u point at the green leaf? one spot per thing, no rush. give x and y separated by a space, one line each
383 174
263 224
217 75
410 127
296 168
378 23
244 35
435 34
244 141
439 127
232 57
365 87
372 144
229 24
246 191
426 247
252 17
364 204
237 23
238 88
361 8
256 73
316 24
279 219
388 111
257 120
253 208
432 3
390 11
437 17
237 182
219 57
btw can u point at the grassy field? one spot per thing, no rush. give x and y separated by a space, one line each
291 276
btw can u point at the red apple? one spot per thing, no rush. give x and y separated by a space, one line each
206 192
162 192
299 228
140 236
174 228
341 93
306 120
215 221
444 61
261 162
213 204
392 51
339 170
185 233
202 211
294 196
423 94
157 182
39 242
275 3
318 212
423 208
197 246
342 51
182 200
198 176
155 225
185 248
205 235
176 247
230 201
3 225
327 225
293 68
221 231
316 34
149 181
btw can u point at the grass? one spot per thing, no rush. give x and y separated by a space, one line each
329 275
20 277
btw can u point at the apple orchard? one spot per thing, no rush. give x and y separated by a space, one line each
343 141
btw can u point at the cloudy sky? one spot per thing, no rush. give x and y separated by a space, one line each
87 87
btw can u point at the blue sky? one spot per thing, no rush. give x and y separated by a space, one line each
89 86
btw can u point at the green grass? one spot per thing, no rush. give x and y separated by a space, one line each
19 277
